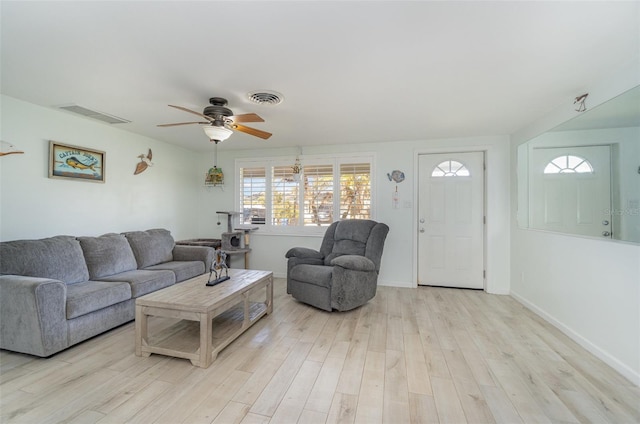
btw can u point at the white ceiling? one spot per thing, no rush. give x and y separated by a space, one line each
350 72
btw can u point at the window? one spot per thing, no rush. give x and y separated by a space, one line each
284 197
355 190
450 168
318 194
253 189
568 164
328 189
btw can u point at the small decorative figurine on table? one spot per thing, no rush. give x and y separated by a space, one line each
219 263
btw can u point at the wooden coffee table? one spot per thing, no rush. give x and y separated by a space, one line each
227 309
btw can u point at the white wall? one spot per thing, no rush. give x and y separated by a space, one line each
627 199
589 288
34 206
398 266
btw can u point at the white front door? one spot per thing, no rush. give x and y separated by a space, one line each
570 190
451 220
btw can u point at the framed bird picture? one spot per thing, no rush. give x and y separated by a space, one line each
78 163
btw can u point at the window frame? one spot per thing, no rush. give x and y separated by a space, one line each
450 174
574 169
307 160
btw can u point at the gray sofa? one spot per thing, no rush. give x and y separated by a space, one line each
343 274
56 292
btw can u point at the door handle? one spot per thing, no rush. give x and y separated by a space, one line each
422 230
606 233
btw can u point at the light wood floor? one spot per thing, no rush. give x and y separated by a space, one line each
410 355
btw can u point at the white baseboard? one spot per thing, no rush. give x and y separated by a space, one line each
498 292
395 283
600 353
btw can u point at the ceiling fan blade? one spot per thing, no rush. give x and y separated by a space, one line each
193 111
181 123
252 131
246 117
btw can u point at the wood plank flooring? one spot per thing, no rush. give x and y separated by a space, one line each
423 355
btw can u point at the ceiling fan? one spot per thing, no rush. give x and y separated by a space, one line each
221 122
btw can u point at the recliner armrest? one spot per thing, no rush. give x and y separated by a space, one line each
354 262
303 253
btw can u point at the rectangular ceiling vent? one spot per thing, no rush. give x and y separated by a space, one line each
110 119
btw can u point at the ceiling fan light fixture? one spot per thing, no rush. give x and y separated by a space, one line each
216 133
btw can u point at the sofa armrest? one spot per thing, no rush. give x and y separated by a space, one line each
303 253
354 263
33 315
194 253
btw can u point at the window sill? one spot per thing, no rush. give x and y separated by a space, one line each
289 233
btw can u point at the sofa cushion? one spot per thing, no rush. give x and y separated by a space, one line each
143 281
107 255
183 270
90 296
58 258
151 247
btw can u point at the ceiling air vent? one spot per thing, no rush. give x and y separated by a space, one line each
110 119
266 97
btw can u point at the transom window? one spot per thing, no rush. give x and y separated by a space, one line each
450 168
326 189
568 164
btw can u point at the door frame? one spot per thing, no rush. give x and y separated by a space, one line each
416 195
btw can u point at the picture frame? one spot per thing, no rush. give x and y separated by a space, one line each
76 163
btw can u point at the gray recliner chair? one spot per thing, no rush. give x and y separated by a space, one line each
344 273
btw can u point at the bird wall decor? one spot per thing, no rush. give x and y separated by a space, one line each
580 102
145 162
7 148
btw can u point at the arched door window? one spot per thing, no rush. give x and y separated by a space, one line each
450 168
568 164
